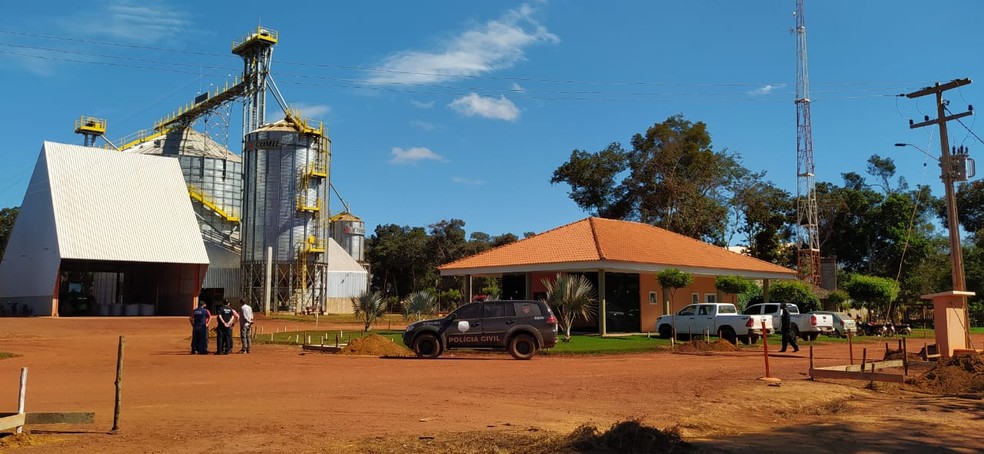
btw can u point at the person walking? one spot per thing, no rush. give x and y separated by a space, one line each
227 318
785 327
245 328
199 319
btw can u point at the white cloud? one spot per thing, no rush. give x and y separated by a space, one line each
311 111
496 44
426 126
766 89
421 104
132 21
413 155
488 107
461 180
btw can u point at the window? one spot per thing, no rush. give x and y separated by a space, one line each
652 298
694 298
468 311
703 310
710 298
528 310
727 309
498 310
689 310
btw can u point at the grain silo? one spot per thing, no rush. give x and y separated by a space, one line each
349 231
285 210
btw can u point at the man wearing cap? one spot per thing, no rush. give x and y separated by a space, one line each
785 327
223 332
199 329
245 324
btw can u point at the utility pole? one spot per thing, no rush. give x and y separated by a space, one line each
948 173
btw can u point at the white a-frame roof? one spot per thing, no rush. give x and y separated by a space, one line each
93 204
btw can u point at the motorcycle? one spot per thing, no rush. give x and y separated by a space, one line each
884 329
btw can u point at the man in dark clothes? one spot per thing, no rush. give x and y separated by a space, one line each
785 327
227 318
199 329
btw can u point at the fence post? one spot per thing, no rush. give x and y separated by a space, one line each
119 385
22 396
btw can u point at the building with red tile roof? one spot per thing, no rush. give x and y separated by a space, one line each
626 256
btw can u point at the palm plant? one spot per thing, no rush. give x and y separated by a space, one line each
417 305
368 307
571 297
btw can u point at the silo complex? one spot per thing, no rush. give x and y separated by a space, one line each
349 231
285 209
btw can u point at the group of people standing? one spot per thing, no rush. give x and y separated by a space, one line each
227 318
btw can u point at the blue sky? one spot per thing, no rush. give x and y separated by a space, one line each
451 109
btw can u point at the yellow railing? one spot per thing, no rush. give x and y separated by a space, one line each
198 195
261 34
316 245
303 205
90 125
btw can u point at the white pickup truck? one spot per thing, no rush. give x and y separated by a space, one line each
808 326
715 319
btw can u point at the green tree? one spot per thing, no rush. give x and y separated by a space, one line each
872 292
837 299
671 178
970 206
418 305
368 307
733 285
571 297
670 280
794 292
763 212
7 218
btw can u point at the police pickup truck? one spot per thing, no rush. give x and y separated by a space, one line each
520 327
715 319
808 326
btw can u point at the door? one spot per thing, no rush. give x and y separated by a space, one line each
497 319
684 320
704 320
465 329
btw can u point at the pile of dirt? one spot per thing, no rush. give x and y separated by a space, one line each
625 436
700 346
959 374
375 345
21 440
899 354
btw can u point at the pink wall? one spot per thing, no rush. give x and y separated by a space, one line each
681 298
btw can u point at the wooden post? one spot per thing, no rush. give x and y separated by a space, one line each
905 358
22 396
864 357
811 358
850 346
765 348
119 385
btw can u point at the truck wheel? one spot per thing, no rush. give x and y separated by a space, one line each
427 346
729 335
745 340
665 332
522 346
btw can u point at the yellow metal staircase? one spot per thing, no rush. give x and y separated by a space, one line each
198 195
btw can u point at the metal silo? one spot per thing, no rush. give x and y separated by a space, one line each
284 208
349 232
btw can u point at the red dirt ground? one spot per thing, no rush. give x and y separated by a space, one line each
278 399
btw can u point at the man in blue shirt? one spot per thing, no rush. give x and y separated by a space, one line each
199 329
227 318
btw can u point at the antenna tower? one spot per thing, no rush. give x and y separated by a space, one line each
807 231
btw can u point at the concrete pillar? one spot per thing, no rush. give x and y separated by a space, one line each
950 321
602 304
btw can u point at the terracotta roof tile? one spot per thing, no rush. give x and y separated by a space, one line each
594 239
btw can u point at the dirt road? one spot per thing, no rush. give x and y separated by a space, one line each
279 399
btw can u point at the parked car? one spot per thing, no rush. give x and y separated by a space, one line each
520 327
715 319
808 326
843 323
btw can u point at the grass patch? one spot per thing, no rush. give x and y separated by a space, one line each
5 355
582 344
317 337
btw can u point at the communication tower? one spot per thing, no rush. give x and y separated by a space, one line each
807 230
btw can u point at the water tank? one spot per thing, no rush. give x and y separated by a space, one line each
350 233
